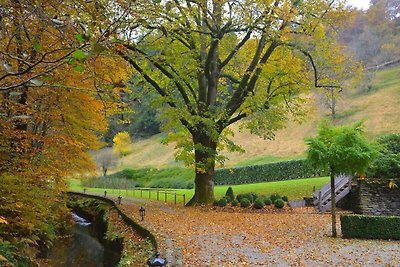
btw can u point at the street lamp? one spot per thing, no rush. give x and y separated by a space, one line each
142 212
157 261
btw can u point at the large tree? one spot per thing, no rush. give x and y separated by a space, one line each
340 150
216 62
54 85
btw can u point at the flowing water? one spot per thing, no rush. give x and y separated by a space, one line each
81 248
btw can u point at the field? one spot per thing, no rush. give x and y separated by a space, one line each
376 103
294 189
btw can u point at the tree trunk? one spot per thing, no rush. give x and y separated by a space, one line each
205 151
333 204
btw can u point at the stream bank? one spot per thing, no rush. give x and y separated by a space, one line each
101 236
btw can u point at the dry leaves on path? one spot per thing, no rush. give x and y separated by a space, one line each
203 236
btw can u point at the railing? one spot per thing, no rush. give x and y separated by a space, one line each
322 197
152 194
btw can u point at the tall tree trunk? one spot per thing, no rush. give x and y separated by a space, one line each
205 151
333 204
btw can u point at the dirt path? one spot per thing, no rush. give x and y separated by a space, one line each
300 237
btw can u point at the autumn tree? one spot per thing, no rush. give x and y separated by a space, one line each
340 150
121 144
54 86
215 63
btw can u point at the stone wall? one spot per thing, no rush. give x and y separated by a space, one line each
375 198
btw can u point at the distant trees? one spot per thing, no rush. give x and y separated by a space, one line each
340 150
374 37
105 159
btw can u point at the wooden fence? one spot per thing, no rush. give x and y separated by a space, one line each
153 194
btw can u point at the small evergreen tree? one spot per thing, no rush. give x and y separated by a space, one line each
229 194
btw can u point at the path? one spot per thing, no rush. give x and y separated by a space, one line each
300 237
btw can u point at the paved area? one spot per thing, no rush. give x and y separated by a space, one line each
206 236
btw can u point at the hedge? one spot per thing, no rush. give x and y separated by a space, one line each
278 171
370 227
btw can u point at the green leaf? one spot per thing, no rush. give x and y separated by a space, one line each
79 37
79 69
79 55
37 46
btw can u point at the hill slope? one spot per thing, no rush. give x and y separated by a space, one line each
378 106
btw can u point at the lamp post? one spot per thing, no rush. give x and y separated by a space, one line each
142 212
157 261
119 200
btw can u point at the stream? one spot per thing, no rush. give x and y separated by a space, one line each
81 248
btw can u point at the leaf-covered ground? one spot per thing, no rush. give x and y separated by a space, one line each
206 236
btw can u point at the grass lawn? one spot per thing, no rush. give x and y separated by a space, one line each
294 189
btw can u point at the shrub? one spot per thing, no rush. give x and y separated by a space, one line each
259 203
267 201
372 227
285 198
279 203
229 193
215 203
189 185
278 171
234 202
244 203
387 164
275 197
222 202
250 196
179 184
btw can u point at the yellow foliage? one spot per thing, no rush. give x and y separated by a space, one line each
122 142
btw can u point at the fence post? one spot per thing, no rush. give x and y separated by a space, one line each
165 196
175 198
184 200
158 195
141 193
149 193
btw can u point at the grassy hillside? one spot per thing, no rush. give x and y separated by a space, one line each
377 104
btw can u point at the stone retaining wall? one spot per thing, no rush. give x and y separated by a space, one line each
375 198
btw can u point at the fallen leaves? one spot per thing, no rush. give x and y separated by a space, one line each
205 236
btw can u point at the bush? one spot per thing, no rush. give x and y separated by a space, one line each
259 203
215 203
279 203
278 171
267 201
222 202
275 197
179 184
189 185
244 203
229 194
234 203
387 164
371 227
285 198
250 196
